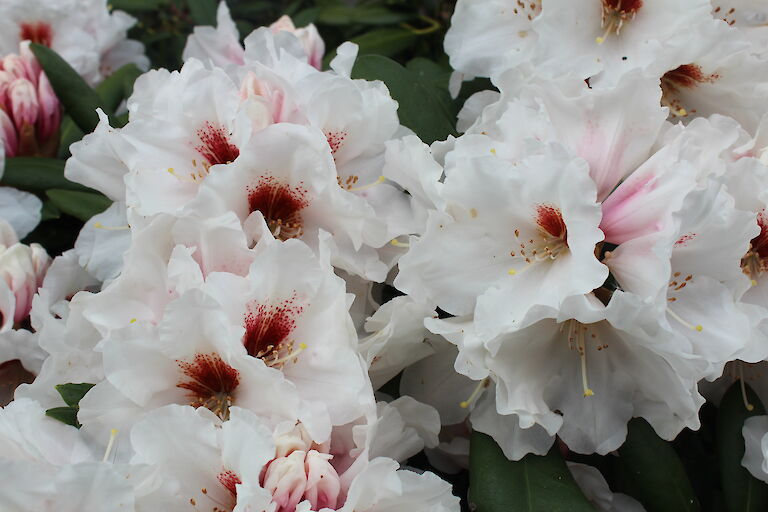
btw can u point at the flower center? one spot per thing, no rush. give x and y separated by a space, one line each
674 82
615 14
281 206
549 241
214 145
268 329
211 384
37 32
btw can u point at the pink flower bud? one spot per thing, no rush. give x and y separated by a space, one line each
30 111
22 269
50 110
8 133
310 39
286 479
323 484
22 96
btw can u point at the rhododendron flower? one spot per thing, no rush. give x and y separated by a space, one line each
85 33
241 464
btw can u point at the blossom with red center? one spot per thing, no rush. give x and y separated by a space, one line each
281 206
268 328
215 145
38 32
212 383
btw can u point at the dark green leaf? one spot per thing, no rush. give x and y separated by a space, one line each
649 470
366 15
69 134
430 71
203 12
81 205
80 101
743 492
136 5
532 484
423 107
49 211
72 393
306 16
118 86
37 174
66 415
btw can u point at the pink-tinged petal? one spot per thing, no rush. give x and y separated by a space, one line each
24 103
50 110
8 133
645 202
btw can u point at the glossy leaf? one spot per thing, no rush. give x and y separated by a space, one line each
532 484
72 393
203 12
118 86
649 469
367 15
424 107
81 205
742 491
37 174
67 415
80 101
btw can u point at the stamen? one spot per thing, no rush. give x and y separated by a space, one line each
112 436
379 181
748 406
481 386
99 225
292 355
397 243
690 326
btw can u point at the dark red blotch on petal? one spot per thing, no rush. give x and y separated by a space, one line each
215 146
268 328
229 481
210 378
550 219
281 206
624 6
687 75
37 32
760 242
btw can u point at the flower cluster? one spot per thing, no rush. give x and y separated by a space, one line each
592 248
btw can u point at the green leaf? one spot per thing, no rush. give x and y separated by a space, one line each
424 107
366 15
385 41
136 5
72 393
37 174
81 205
80 101
66 415
742 491
203 12
532 484
649 470
118 86
49 211
69 134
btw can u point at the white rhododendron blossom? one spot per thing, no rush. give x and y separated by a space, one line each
85 33
280 285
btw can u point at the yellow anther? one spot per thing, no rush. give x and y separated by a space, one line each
682 112
589 392
754 283
133 320
699 328
302 346
493 151
511 271
599 40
